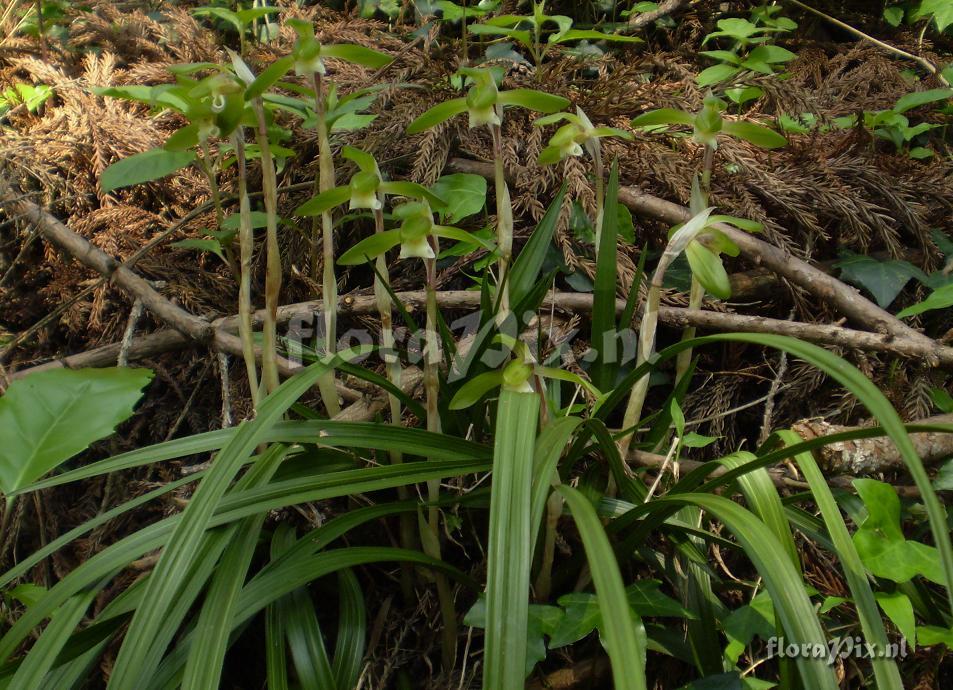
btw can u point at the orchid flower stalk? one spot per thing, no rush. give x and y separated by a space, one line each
574 137
417 237
484 104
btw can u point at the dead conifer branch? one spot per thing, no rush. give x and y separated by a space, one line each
877 454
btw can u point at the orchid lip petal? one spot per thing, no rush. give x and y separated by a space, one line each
416 249
483 116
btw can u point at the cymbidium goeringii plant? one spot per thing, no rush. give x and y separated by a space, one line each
308 56
484 105
571 139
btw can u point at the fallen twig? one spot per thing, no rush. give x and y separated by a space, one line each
847 299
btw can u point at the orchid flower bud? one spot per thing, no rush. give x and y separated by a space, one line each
415 230
481 105
516 376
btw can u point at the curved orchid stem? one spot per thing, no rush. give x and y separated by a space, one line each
329 285
246 243
269 358
504 221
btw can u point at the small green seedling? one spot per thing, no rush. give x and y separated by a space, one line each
749 50
538 32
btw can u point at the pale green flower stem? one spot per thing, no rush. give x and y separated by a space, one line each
246 242
269 359
430 531
697 294
329 285
504 221
392 363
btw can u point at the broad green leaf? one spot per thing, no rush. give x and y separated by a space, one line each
722 56
716 74
899 610
268 77
530 99
592 35
324 201
464 194
663 116
941 11
743 94
248 16
771 54
437 114
919 98
509 545
929 635
220 13
143 167
370 247
202 245
880 540
708 270
355 54
754 134
882 279
48 417
182 139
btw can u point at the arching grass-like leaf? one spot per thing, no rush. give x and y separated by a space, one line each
885 670
619 629
509 554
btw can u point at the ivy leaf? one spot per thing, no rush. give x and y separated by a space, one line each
893 15
899 610
464 194
581 618
882 279
48 417
747 622
143 167
646 600
880 540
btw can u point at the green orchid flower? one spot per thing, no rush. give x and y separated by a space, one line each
516 376
308 53
366 189
416 236
484 103
708 124
577 135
